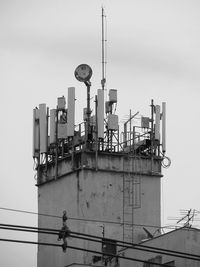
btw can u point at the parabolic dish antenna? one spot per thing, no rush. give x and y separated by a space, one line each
83 73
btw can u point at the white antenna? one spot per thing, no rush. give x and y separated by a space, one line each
52 126
100 113
71 111
43 127
36 133
157 123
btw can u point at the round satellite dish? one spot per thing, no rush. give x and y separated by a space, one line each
83 73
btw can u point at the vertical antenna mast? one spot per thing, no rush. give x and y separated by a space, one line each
103 81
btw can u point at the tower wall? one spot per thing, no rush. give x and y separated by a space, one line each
94 190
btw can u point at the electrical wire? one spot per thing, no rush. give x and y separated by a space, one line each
29 230
136 246
29 242
88 220
176 254
126 245
81 249
31 212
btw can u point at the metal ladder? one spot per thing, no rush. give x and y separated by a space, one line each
131 198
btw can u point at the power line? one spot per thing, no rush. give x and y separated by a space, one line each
93 238
29 242
142 247
30 212
89 220
56 231
81 249
29 230
50 230
151 250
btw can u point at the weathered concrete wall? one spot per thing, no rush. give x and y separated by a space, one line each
93 195
105 161
86 195
183 240
150 212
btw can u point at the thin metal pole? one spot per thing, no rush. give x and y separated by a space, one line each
123 158
88 109
125 135
130 130
118 139
96 135
134 139
56 165
152 134
102 50
152 139
72 153
47 127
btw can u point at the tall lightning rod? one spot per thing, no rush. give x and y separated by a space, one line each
103 81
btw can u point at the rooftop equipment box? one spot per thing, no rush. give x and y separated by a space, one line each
145 122
113 95
62 130
112 122
61 102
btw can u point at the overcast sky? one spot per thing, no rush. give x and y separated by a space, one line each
152 53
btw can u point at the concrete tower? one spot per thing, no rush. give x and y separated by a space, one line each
107 181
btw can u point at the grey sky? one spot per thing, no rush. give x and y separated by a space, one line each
153 52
